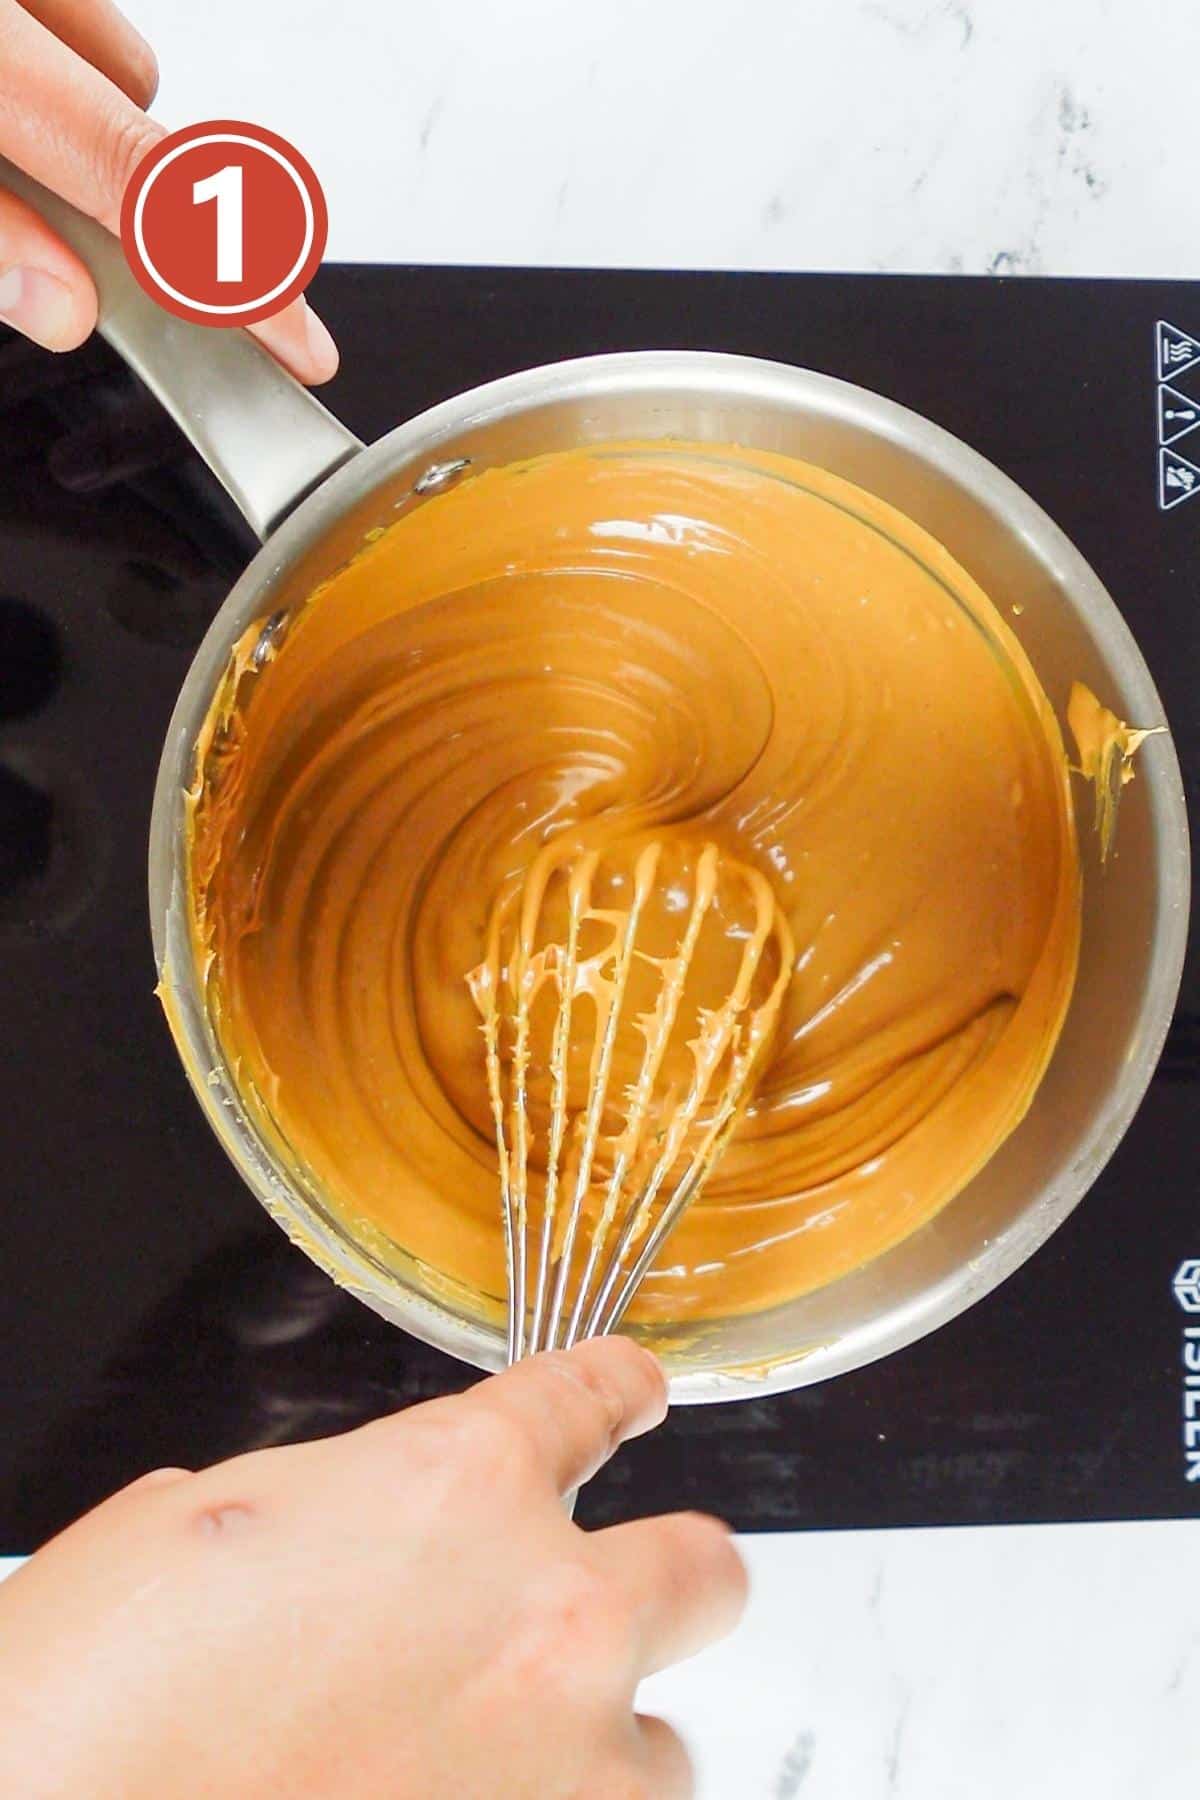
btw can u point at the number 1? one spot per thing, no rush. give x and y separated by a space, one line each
225 187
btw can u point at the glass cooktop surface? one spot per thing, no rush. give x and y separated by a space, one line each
151 1312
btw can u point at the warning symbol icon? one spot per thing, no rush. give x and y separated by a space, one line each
1177 415
1178 479
1178 351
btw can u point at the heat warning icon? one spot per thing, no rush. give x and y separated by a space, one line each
1178 351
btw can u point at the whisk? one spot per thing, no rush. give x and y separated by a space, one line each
628 995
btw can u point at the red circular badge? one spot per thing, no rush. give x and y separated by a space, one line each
224 223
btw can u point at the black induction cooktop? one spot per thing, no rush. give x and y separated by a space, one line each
149 1312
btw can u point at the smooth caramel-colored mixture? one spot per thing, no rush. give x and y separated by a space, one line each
720 643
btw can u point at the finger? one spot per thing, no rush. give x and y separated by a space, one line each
300 341
103 36
67 124
682 1575
664 1759
574 1407
45 291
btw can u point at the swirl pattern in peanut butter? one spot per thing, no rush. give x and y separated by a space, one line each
720 643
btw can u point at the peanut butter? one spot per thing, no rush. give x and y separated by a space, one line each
725 644
1106 747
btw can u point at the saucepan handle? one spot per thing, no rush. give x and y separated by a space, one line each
263 435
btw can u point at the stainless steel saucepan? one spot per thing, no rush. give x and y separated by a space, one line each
312 492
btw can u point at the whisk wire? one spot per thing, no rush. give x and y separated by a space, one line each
631 1220
483 985
578 893
719 1030
610 1013
655 1028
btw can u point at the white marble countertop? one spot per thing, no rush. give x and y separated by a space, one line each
1025 136
1005 136
1029 1663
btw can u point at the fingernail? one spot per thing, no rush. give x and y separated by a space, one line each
321 346
38 306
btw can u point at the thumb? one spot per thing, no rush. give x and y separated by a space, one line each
45 291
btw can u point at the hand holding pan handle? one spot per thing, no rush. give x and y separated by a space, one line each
263 435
